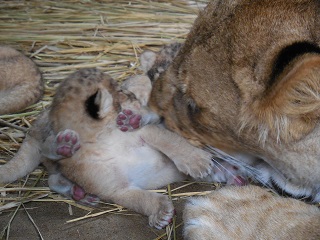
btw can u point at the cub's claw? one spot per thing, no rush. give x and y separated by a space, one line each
128 121
164 220
68 142
90 199
164 216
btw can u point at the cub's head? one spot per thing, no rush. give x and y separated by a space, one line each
85 100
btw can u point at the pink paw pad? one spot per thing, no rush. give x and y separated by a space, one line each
78 193
67 143
127 120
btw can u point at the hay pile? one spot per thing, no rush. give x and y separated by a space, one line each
63 36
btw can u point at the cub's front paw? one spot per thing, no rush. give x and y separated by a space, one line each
68 142
196 164
164 215
128 121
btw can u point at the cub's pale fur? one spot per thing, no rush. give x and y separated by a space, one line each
247 81
249 213
20 81
114 165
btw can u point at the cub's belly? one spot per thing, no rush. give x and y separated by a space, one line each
99 168
150 169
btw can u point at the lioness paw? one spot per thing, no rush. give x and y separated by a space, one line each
68 142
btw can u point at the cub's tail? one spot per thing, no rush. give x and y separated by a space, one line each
25 161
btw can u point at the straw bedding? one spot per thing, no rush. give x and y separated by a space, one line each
63 36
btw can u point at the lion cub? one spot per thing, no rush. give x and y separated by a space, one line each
114 165
249 213
20 81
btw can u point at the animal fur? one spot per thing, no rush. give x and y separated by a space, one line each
114 165
111 164
20 81
249 213
246 81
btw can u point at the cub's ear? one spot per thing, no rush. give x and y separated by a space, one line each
99 104
290 108
147 60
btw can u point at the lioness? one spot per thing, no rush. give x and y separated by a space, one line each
247 81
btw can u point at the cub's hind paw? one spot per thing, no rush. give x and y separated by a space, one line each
68 142
62 185
79 195
90 199
238 181
163 216
78 192
128 121
226 173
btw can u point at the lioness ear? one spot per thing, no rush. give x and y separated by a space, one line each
291 106
298 92
147 60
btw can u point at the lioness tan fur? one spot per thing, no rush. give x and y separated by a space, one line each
247 81
249 213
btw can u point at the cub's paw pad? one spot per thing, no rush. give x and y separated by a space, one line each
128 121
78 193
68 142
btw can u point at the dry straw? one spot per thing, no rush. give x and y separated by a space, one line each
63 36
